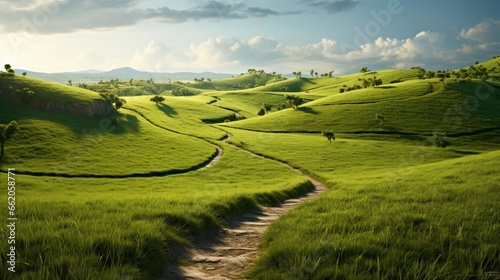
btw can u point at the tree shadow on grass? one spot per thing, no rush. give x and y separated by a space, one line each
308 110
169 111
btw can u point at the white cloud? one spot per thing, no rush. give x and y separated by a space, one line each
486 31
426 49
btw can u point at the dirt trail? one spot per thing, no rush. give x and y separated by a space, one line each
227 253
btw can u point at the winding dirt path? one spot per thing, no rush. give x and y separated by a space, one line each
229 252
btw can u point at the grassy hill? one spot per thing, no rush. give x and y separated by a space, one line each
417 107
49 92
50 142
98 198
437 222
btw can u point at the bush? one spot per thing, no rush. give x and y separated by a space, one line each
440 140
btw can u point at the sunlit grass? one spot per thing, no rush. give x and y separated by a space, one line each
102 228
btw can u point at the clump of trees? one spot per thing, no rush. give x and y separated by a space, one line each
113 99
6 133
374 82
439 139
183 92
266 108
364 70
9 69
297 75
293 101
157 99
329 135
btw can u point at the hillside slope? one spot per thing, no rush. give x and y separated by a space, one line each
419 107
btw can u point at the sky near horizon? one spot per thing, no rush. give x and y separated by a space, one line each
231 36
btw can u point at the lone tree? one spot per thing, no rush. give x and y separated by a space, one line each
363 70
381 119
6 132
261 112
157 99
329 135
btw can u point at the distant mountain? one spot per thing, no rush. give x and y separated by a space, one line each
123 73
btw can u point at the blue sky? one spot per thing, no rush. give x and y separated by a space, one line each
231 36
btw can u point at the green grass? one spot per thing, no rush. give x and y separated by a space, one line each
187 115
49 92
51 142
119 228
396 206
439 221
408 107
248 103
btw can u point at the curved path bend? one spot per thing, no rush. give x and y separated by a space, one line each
227 253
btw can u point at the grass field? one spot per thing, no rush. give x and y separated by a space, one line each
438 221
77 228
102 201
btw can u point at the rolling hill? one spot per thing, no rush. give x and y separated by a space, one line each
112 195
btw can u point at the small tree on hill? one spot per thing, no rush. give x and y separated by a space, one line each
157 99
261 112
329 135
6 132
363 70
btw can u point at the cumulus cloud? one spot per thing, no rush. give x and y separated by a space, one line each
486 31
427 49
63 16
333 7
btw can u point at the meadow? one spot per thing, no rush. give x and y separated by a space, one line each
113 196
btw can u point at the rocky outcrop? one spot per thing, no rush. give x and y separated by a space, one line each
95 108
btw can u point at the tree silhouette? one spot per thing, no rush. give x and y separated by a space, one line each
157 99
329 135
9 69
6 132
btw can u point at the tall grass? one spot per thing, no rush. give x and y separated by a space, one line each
123 228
